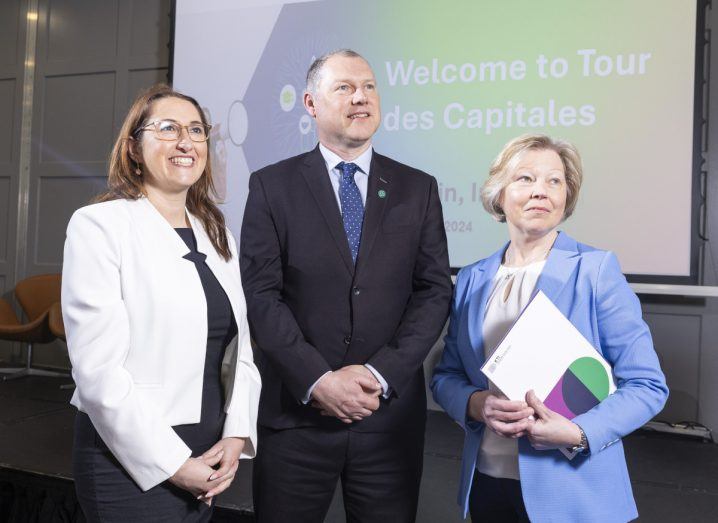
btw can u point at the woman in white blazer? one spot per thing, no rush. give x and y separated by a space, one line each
167 390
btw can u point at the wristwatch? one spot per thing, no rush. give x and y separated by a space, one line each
582 447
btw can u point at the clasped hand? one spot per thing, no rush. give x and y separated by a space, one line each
349 394
544 428
199 475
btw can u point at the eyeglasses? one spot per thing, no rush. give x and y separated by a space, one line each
170 130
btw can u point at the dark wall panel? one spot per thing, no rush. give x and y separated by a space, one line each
5 218
52 219
92 57
9 31
5 346
81 29
7 119
77 118
677 339
141 79
13 26
148 28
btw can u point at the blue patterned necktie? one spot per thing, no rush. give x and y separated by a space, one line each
352 206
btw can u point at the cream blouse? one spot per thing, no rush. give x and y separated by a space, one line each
512 290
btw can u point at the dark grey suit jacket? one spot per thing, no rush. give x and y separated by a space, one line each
310 310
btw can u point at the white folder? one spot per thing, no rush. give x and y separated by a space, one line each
543 351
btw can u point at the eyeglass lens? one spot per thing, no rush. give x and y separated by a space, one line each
171 130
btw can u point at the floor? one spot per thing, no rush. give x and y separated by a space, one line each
674 479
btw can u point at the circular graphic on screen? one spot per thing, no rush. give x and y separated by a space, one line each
280 124
237 122
287 98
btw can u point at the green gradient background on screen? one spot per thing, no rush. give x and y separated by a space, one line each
637 155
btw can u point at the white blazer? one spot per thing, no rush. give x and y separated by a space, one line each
135 314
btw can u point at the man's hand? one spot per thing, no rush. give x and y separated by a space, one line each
349 395
364 371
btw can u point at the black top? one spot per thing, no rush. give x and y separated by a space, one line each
221 329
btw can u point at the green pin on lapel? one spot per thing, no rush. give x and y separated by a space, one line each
381 193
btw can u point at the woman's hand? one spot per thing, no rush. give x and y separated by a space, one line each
550 430
226 452
509 419
194 475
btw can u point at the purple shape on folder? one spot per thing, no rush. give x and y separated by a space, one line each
570 397
555 401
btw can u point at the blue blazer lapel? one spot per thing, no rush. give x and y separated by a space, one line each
560 266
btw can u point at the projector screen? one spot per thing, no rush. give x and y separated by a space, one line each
457 81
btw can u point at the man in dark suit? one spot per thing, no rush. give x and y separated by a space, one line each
345 269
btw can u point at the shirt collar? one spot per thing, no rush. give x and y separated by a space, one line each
363 161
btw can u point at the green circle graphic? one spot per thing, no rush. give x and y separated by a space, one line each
592 374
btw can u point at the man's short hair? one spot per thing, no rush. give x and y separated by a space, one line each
314 73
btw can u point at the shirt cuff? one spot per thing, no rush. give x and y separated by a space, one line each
384 385
308 395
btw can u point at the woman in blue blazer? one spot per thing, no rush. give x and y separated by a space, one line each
511 469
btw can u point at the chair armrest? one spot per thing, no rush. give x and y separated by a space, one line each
57 327
7 315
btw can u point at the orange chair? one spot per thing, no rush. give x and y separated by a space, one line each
57 327
35 296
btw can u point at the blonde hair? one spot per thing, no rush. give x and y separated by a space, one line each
508 159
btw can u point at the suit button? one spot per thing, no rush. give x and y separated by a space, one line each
356 291
347 340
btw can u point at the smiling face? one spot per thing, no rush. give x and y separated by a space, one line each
171 167
345 105
534 200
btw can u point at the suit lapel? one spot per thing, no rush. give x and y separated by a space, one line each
379 180
315 174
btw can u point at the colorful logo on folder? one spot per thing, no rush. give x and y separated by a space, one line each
583 386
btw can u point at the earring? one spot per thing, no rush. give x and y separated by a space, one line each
138 171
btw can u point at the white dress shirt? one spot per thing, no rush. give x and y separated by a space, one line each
361 176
